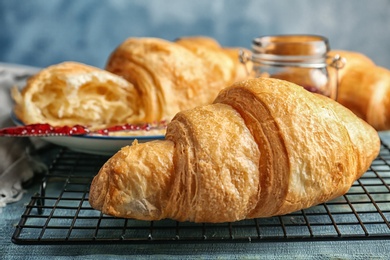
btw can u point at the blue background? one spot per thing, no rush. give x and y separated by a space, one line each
41 32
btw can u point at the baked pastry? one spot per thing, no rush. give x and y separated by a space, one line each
223 61
265 147
173 76
73 93
243 64
364 88
350 60
160 79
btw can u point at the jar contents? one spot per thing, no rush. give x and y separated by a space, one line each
301 59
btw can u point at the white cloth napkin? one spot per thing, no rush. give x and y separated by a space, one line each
16 163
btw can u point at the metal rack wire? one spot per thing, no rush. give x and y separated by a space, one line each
60 213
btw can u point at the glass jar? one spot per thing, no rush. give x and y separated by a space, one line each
301 59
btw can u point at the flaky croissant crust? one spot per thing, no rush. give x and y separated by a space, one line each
265 147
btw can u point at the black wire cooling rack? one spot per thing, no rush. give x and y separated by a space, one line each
60 213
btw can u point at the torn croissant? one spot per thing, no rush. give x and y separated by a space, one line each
72 93
265 147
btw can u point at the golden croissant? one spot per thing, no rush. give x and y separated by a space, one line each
265 147
364 88
173 76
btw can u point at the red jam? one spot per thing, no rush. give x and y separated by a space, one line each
46 129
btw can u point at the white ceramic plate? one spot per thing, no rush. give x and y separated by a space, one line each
102 145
